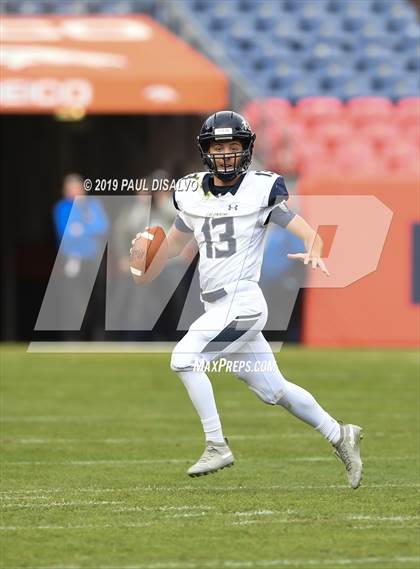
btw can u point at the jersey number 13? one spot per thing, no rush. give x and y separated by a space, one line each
226 237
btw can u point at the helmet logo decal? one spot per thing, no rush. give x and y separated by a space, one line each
219 131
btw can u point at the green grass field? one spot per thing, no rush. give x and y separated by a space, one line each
95 449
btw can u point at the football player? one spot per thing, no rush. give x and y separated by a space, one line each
227 215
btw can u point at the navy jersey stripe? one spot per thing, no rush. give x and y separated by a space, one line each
278 192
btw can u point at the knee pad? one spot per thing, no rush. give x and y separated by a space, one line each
267 395
270 392
182 361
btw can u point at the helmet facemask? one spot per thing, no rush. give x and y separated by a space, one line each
234 163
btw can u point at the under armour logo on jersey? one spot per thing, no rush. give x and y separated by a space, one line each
233 206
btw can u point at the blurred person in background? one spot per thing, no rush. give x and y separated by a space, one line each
282 278
136 214
163 215
81 226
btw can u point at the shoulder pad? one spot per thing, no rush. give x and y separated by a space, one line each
270 185
187 186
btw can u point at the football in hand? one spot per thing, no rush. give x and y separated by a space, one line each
148 254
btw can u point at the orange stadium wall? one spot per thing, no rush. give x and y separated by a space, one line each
381 308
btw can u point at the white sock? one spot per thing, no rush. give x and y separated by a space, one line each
201 394
304 406
330 429
213 429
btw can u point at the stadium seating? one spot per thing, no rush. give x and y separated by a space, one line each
408 112
336 81
333 134
402 157
367 109
315 110
366 135
267 110
80 7
340 48
380 136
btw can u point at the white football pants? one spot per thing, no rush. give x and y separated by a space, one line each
231 328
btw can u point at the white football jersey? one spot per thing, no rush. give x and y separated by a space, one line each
229 228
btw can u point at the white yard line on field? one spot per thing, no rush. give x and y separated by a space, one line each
99 462
191 515
209 511
136 440
127 525
257 513
61 504
148 440
143 415
49 419
168 518
69 527
264 516
42 493
383 518
254 564
245 522
188 459
133 440
390 528
120 503
162 508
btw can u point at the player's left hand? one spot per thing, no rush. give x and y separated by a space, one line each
307 259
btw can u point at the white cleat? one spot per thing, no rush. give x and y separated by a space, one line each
215 457
348 451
